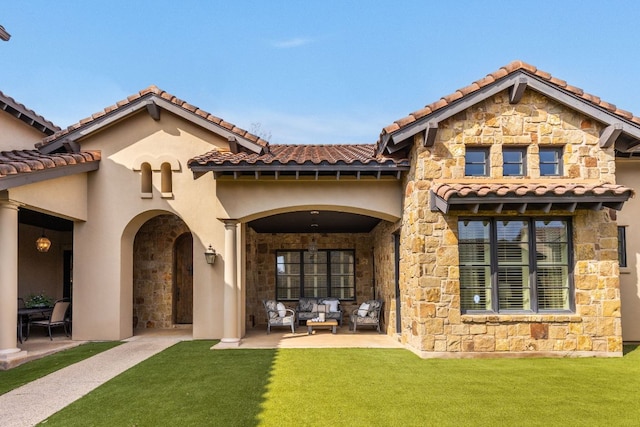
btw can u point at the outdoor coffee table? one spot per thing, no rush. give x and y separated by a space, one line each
333 324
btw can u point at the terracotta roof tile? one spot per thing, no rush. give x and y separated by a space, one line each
461 190
347 154
152 90
496 75
27 161
8 103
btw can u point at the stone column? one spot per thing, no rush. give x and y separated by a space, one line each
8 280
231 335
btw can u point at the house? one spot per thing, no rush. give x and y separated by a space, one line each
486 221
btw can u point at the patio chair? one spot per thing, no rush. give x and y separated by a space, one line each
279 315
58 318
368 314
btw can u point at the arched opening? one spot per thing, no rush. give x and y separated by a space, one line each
166 183
145 178
317 253
154 271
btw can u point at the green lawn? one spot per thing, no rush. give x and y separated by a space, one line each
190 385
35 369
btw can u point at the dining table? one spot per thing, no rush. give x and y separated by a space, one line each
24 314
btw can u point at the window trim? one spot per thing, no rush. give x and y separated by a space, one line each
533 270
523 160
301 276
486 162
559 160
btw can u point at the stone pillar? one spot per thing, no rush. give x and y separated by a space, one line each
8 280
231 335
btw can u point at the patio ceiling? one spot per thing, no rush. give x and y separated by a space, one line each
41 220
315 222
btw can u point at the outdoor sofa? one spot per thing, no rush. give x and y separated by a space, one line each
310 308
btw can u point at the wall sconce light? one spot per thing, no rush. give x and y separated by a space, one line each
43 244
210 255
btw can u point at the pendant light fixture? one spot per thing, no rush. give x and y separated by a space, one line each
43 244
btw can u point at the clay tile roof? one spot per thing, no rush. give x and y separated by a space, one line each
491 78
448 190
22 162
153 91
30 117
610 194
296 155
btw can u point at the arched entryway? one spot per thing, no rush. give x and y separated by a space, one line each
162 259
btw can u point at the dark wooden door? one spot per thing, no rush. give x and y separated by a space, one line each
183 279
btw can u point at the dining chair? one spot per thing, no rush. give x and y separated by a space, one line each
58 318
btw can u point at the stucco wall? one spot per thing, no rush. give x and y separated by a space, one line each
16 134
103 274
429 275
627 174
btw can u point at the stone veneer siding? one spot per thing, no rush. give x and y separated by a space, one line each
432 322
261 267
153 271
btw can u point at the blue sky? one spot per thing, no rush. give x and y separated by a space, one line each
308 72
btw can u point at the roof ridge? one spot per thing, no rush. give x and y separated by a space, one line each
153 90
510 68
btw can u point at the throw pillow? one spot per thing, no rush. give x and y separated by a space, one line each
271 306
332 304
364 308
319 308
282 310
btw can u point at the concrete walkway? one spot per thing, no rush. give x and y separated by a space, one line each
36 401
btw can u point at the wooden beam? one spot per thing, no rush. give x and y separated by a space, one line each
233 144
517 90
437 204
71 146
475 208
430 134
547 207
498 208
609 135
522 208
153 110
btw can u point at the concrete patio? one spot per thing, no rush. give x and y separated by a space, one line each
39 345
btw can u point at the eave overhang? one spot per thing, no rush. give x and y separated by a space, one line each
301 171
529 197
622 128
16 172
22 113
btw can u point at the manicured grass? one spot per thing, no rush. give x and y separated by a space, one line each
190 385
35 369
